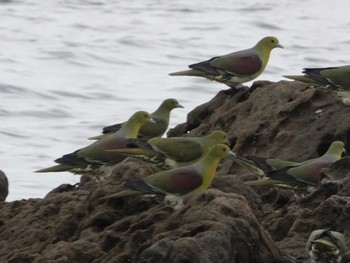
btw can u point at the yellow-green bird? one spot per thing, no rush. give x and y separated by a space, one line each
175 151
180 184
94 158
326 246
261 166
337 78
306 175
235 68
149 130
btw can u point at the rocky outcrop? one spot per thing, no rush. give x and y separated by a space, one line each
4 186
231 222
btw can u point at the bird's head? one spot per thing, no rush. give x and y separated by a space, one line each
170 104
269 43
143 117
221 151
219 137
336 148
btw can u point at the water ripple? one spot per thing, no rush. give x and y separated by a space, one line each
66 63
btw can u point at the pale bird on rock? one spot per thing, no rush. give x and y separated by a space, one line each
179 184
235 68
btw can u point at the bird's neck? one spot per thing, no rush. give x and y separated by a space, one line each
130 129
161 113
333 153
207 167
264 54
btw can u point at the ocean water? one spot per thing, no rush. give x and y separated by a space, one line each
71 67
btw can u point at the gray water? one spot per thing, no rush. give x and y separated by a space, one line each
70 67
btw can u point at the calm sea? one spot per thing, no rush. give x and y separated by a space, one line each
70 67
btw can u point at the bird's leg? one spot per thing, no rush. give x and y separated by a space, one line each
174 201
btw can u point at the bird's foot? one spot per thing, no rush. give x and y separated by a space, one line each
175 202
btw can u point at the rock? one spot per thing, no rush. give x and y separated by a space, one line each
4 186
231 222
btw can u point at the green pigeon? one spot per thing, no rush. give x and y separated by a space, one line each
175 151
94 158
261 166
337 78
179 184
324 245
149 130
306 175
235 68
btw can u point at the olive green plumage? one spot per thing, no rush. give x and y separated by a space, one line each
235 68
175 151
94 158
261 166
324 245
179 184
337 78
306 175
149 130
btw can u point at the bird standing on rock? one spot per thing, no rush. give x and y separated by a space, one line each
337 78
261 166
306 175
175 151
235 68
180 184
94 158
149 130
326 246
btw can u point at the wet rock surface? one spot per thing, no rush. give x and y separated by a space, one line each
231 222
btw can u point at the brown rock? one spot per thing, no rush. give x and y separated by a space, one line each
4 186
231 222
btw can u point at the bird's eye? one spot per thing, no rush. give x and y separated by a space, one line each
272 41
146 116
224 150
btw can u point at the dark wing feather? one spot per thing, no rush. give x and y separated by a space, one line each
74 160
316 74
284 176
205 66
141 186
260 162
112 128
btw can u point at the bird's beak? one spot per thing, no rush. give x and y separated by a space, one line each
179 106
279 45
232 154
227 142
151 120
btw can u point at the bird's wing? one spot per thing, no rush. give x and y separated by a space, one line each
178 149
112 128
241 63
177 181
317 75
150 130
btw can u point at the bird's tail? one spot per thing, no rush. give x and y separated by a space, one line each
131 151
248 165
97 137
301 78
263 182
190 72
55 168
